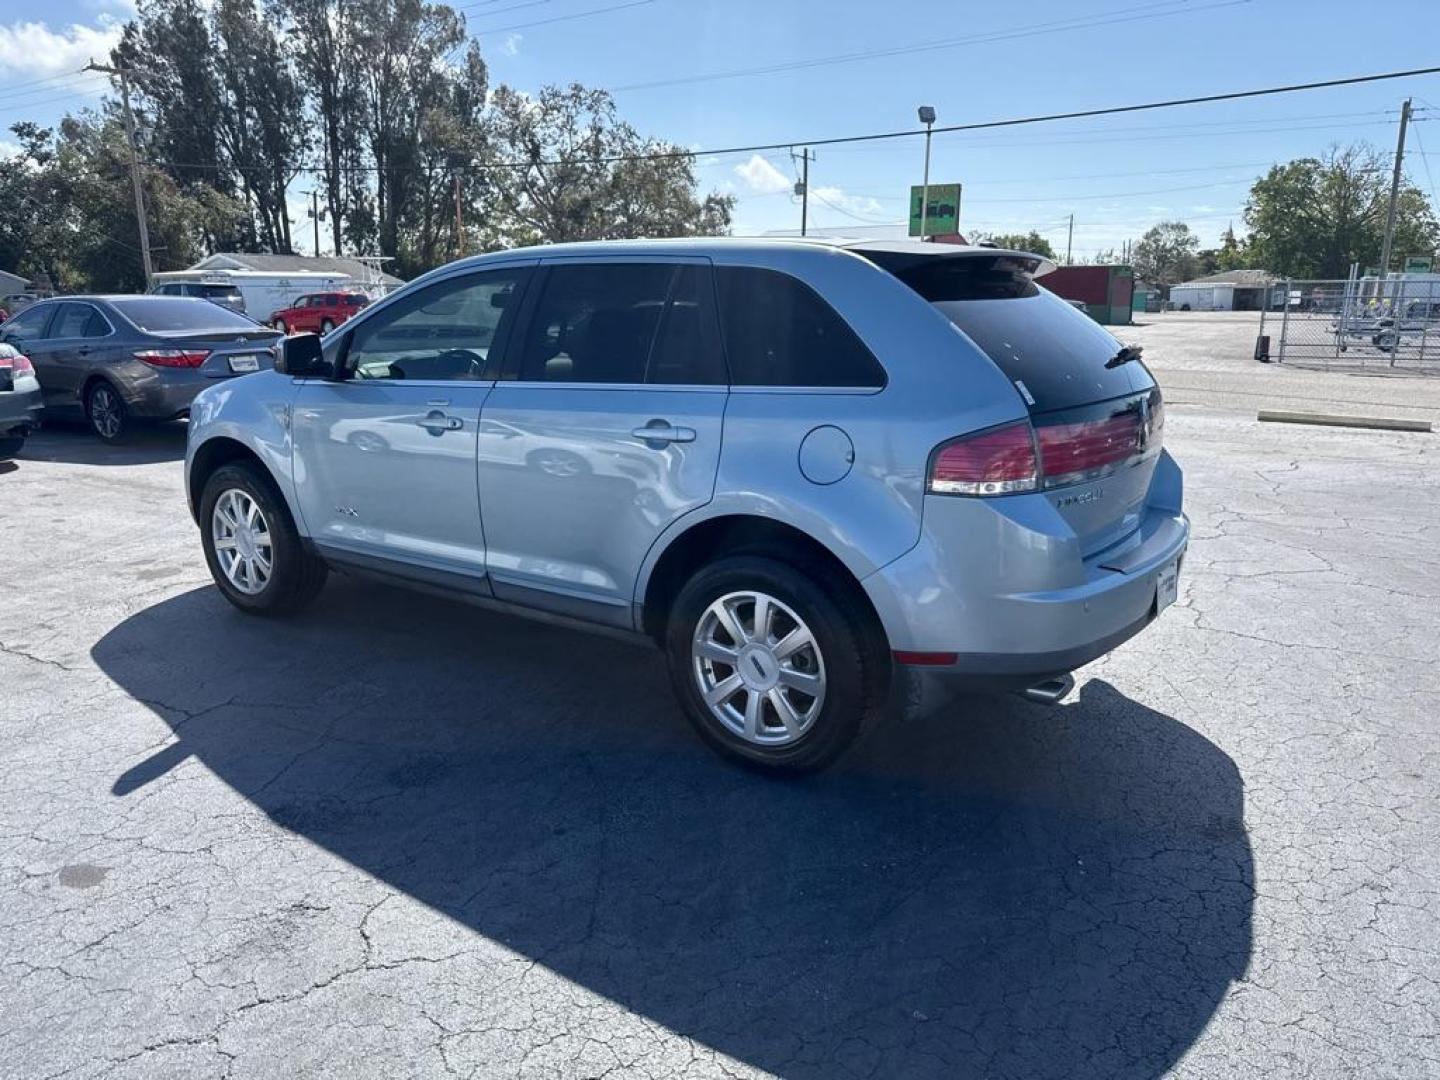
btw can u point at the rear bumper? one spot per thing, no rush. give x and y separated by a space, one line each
997 589
20 409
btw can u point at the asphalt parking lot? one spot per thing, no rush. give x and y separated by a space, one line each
399 836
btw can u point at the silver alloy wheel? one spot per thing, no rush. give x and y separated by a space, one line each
105 411
758 668
241 536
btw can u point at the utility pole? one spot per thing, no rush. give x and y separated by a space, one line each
315 217
1394 192
123 75
803 187
1069 239
459 221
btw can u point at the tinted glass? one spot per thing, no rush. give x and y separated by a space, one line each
215 292
778 332
70 321
1054 354
27 325
687 350
595 323
97 325
167 314
446 331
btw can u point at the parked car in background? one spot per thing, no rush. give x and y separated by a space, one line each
14 303
227 296
318 313
118 359
782 462
19 400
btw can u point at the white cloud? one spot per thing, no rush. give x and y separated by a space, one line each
762 177
9 150
855 204
511 45
32 48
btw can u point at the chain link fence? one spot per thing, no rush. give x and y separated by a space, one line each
1353 325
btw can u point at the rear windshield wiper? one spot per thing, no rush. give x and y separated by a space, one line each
1125 355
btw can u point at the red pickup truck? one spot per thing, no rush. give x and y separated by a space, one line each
317 313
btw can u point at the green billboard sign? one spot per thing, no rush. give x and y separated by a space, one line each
944 215
1418 264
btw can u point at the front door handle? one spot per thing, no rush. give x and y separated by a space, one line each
662 431
436 422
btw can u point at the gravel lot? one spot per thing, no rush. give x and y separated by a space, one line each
398 836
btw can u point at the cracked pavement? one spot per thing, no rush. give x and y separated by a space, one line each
402 837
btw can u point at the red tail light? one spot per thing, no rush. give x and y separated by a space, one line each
183 358
1000 461
18 365
1072 452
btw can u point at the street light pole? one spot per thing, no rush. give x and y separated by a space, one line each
927 117
135 180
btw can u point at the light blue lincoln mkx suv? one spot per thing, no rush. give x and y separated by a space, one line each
825 478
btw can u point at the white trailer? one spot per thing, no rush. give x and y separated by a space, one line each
266 292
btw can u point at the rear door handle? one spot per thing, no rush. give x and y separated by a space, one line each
662 431
436 422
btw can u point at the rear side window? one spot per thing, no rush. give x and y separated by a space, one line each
623 323
165 314
1054 354
71 321
779 332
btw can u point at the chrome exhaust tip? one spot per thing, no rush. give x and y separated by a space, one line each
1051 691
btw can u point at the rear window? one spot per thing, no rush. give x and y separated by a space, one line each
1054 354
212 292
173 314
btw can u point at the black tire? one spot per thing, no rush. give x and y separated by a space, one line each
107 413
855 669
296 576
10 446
326 326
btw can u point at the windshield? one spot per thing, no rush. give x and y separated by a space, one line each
172 314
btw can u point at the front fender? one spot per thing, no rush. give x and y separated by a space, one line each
253 411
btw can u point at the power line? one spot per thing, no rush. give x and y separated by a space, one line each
564 18
673 154
1105 18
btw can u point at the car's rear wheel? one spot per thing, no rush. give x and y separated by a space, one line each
326 326
251 544
10 446
771 667
279 324
106 411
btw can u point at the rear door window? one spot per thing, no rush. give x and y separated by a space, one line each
71 321
779 332
1055 355
595 322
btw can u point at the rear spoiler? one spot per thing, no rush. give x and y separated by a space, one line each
908 253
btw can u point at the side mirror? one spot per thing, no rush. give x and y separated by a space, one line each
302 356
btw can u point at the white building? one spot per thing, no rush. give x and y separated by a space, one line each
271 282
1231 290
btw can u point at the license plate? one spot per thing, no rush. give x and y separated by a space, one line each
1167 586
248 362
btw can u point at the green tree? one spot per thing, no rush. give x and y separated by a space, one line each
574 171
1032 242
1166 254
1314 217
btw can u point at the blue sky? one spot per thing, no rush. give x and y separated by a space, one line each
686 70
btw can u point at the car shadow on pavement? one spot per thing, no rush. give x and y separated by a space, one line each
1002 890
68 443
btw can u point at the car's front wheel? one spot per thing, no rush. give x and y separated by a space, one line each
106 411
279 324
771 667
10 446
251 544
326 326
